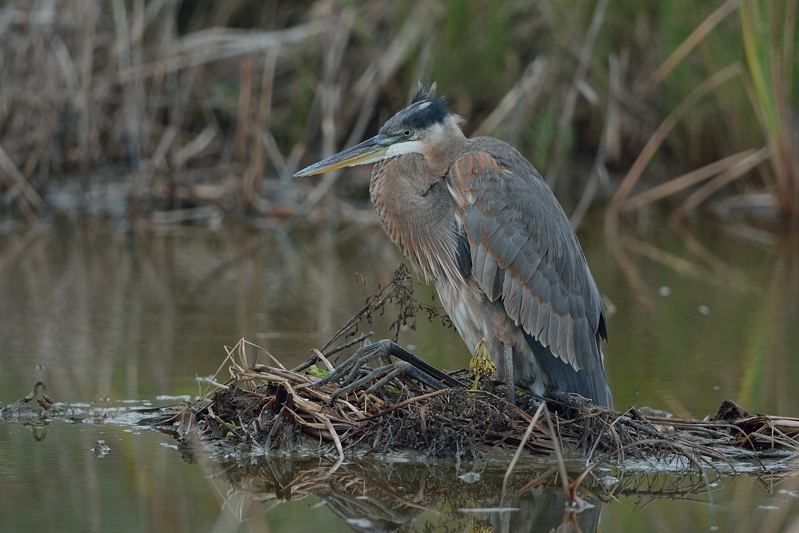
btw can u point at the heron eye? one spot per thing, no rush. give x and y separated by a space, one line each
407 133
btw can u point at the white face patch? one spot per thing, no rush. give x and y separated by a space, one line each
436 134
410 147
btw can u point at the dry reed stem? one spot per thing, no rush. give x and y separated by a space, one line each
663 130
136 90
337 442
696 37
19 188
419 22
736 170
328 365
518 452
538 480
243 108
572 92
609 142
680 183
216 44
529 87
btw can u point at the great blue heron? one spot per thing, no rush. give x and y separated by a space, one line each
476 218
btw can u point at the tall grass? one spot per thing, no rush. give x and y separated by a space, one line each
769 36
196 102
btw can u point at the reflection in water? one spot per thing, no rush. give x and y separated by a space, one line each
781 352
391 495
704 319
381 496
94 316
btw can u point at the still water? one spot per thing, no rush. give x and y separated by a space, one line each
696 316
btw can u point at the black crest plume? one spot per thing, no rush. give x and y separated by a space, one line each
424 111
426 92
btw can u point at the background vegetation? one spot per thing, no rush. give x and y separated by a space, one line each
141 107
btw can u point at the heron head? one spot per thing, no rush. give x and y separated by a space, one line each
419 128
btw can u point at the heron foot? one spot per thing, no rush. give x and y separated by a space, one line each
481 363
409 366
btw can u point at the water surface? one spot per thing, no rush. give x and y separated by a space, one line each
696 316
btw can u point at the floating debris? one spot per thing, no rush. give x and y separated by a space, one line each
22 410
100 449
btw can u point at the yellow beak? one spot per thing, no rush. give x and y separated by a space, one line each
368 151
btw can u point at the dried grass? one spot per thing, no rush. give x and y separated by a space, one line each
189 109
263 407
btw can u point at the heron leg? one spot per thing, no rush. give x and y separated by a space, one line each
385 374
409 366
350 368
507 367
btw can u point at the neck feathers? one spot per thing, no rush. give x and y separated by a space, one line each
417 213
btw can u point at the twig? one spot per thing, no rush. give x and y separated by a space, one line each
337 442
518 453
534 483
347 344
324 360
404 403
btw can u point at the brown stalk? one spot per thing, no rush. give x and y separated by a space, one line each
608 143
86 122
518 452
199 143
572 499
337 442
538 480
243 109
660 134
680 183
571 94
255 170
19 188
735 171
394 56
690 43
529 87
215 44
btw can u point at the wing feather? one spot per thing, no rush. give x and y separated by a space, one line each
525 253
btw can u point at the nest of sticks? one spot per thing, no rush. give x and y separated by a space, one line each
263 407
269 407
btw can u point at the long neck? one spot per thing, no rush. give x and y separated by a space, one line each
416 211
